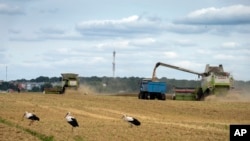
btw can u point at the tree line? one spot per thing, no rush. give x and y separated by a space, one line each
111 85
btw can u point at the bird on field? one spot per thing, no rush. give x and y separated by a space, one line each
131 120
31 117
71 120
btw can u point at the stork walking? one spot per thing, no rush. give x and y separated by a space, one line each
31 117
131 120
71 120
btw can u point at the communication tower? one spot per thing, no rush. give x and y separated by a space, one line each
114 64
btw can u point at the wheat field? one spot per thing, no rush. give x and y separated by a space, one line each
99 118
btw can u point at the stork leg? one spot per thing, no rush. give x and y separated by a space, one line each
31 122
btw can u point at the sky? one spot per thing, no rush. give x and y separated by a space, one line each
50 37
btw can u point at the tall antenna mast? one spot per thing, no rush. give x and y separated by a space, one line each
114 64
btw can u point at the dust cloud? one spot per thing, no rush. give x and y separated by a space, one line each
232 96
86 90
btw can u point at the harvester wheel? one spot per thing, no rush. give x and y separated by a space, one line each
205 94
199 94
202 98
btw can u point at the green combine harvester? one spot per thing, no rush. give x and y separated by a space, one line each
214 81
69 81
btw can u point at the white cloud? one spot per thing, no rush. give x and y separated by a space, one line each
170 54
130 19
128 44
10 9
119 44
48 33
235 14
14 31
230 45
185 29
185 42
96 60
203 51
224 57
52 30
188 64
129 26
64 50
142 41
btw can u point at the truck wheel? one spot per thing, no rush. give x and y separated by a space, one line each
152 96
147 96
163 97
139 96
143 95
159 97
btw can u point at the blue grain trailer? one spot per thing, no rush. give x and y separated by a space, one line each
152 90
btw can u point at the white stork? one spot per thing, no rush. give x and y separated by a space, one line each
132 121
31 117
71 120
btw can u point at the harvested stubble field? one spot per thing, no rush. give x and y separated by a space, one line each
99 117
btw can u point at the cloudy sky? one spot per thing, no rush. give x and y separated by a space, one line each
50 37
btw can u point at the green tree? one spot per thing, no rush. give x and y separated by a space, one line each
35 89
42 79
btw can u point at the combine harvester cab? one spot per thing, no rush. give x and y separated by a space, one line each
70 81
216 81
152 90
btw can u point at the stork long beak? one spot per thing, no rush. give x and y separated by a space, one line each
66 115
23 117
123 115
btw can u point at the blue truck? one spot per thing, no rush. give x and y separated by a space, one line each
151 90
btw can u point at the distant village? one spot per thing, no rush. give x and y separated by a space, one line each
33 85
